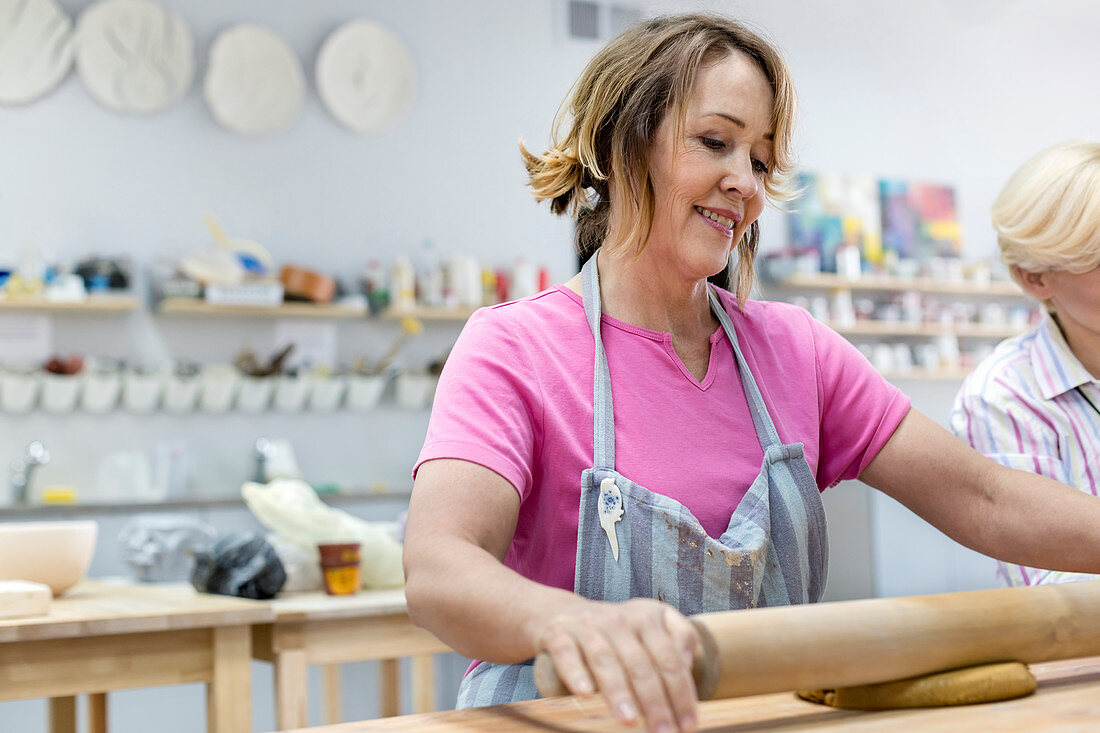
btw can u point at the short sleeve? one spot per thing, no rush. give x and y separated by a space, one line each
860 410
487 407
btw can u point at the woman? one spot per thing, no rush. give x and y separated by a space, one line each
544 517
1034 404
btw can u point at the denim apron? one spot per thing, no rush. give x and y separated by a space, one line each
633 543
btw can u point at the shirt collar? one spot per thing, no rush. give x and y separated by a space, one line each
1056 368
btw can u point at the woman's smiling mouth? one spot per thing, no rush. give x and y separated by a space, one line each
723 224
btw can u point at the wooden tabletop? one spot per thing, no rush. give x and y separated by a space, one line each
318 606
1068 698
100 607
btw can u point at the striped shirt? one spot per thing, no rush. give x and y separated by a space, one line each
1025 407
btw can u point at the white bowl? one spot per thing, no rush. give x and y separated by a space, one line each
55 553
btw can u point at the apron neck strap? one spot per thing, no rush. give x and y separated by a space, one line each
603 414
603 429
761 419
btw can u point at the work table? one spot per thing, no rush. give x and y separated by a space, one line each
318 629
1068 697
102 607
102 636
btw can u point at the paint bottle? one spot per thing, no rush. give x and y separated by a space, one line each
403 285
340 567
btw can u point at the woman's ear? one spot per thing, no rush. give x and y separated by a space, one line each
1037 284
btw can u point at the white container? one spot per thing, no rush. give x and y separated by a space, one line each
326 393
219 388
142 392
60 392
126 475
55 553
365 391
414 390
181 394
19 392
291 392
100 391
255 394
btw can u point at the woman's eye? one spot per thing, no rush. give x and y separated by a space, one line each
760 167
713 144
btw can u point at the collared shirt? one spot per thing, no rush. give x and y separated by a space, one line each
1027 406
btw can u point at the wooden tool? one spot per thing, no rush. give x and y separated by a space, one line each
831 645
20 598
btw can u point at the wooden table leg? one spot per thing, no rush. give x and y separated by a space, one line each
389 701
62 715
331 684
97 712
291 693
423 683
229 693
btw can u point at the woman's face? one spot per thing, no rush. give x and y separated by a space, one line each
1076 299
709 185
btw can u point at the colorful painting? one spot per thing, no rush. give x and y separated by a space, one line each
834 210
919 220
884 219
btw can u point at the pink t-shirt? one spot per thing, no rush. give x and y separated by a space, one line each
516 397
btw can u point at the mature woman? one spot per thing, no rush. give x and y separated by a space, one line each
548 517
1034 404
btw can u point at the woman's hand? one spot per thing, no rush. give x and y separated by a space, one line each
638 654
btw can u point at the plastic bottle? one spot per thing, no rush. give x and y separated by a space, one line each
524 280
378 292
403 285
488 287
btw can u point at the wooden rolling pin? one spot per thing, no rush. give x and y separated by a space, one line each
831 645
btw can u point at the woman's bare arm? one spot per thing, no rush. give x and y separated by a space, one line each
462 518
1015 516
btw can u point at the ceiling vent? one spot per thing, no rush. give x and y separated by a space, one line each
584 20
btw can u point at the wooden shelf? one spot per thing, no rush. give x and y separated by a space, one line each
898 328
94 305
430 314
198 307
957 374
828 281
39 510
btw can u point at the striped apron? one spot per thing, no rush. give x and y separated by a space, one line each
773 553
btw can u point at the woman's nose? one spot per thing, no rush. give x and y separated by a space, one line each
741 178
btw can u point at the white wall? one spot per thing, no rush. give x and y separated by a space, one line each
959 92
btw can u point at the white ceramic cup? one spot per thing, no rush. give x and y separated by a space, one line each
60 392
19 392
365 391
142 392
326 393
255 394
291 392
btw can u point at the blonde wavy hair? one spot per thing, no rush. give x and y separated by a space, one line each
1047 216
602 135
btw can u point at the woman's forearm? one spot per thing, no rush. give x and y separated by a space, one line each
476 605
1015 516
1032 520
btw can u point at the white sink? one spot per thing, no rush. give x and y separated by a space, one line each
55 553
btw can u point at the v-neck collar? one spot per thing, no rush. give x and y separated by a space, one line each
662 337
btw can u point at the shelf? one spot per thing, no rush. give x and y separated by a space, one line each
199 307
430 314
891 328
830 281
957 374
94 305
10 512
